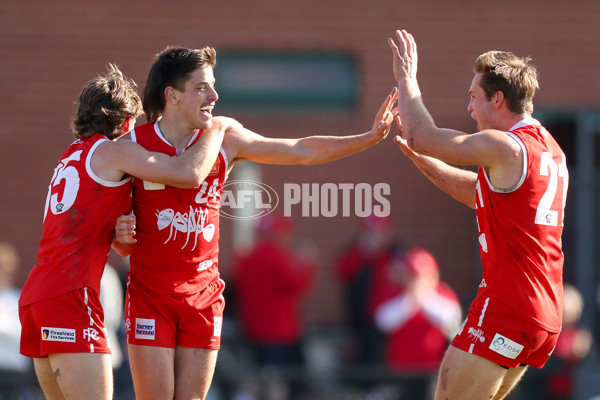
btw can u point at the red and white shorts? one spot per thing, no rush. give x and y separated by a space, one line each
70 323
189 320
497 334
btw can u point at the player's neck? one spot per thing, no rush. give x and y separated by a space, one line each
509 120
176 133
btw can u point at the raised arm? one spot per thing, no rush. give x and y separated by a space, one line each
247 145
488 147
113 160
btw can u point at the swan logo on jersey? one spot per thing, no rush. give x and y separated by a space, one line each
190 224
506 347
476 334
58 334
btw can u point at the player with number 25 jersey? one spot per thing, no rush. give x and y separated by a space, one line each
79 218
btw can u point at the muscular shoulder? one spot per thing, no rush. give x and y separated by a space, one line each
236 140
506 156
108 156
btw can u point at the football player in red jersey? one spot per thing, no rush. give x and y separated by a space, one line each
174 263
519 194
60 311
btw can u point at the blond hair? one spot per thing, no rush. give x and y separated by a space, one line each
515 77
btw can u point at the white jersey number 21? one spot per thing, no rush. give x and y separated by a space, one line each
545 215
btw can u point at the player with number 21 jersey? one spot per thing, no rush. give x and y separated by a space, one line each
520 231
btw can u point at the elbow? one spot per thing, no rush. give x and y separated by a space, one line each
308 161
415 144
197 180
418 138
190 181
411 136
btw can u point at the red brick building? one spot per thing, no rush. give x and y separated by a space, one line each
49 49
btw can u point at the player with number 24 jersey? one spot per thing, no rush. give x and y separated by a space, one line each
177 229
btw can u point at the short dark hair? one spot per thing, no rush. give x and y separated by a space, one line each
514 76
104 105
172 67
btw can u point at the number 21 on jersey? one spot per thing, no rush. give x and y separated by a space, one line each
545 215
558 182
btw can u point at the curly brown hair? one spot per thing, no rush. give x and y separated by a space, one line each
105 103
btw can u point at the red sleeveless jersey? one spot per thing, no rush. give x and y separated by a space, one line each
177 230
79 220
520 231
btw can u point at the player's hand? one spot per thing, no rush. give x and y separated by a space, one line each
404 55
385 116
125 229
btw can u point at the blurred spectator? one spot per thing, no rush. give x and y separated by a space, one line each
574 343
270 284
361 269
14 368
420 320
269 385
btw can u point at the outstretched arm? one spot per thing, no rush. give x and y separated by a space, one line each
456 182
245 144
113 160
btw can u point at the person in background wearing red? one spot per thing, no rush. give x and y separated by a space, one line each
420 320
271 283
557 380
361 269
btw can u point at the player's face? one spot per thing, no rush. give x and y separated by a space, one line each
198 98
479 106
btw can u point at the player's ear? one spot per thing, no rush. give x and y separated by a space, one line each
171 95
498 98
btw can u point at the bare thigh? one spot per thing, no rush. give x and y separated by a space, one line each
465 376
47 380
512 377
75 376
194 369
152 370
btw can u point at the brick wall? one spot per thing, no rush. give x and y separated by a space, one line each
50 49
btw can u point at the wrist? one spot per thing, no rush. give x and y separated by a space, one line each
410 86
